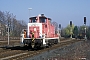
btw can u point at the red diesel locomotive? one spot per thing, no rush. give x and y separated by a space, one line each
40 32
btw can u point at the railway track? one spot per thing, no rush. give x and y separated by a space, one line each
11 42
20 53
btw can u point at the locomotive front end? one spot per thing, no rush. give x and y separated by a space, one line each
34 33
34 30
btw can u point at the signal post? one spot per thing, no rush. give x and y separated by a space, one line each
71 29
85 27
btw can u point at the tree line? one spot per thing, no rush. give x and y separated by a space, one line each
15 26
77 31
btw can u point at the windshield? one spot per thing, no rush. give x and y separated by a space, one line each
34 20
42 20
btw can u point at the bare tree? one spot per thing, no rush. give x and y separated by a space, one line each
16 26
56 26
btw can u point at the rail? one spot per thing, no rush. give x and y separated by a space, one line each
11 38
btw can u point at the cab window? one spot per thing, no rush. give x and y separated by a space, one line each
42 20
33 20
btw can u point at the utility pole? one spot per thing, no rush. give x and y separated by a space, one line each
28 18
29 11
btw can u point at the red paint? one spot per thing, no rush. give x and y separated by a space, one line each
47 28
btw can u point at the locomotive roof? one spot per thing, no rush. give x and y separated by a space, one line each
49 18
40 17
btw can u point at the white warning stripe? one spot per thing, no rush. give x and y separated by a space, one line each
12 56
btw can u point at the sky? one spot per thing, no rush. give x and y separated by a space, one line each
60 11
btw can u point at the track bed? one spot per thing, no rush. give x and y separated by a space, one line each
20 53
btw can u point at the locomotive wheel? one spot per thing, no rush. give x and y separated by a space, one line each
38 45
55 41
30 46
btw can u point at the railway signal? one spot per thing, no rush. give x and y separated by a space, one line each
8 30
59 26
71 29
84 20
59 30
71 23
85 27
